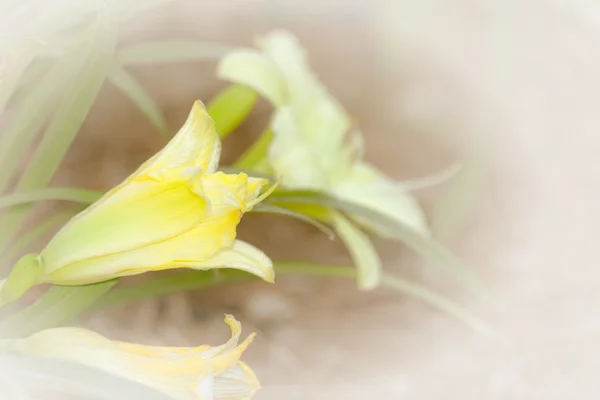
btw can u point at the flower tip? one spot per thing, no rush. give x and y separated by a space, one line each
199 113
199 106
368 285
269 277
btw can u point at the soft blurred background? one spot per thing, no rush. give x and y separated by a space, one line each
509 87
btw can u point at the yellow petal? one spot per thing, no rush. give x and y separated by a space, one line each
242 256
186 250
181 372
196 144
141 213
228 192
150 244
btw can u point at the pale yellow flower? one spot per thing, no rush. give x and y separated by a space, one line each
175 211
314 146
186 373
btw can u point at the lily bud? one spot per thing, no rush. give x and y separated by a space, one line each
175 211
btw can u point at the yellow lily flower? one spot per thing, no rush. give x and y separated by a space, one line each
313 147
190 373
175 211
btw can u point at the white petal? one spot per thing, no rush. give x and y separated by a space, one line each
251 68
295 161
369 188
237 383
321 119
362 250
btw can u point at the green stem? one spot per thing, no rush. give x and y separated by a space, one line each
193 280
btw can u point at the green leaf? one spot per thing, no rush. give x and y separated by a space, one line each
30 116
231 107
16 67
314 211
94 64
169 51
82 196
426 247
58 305
127 84
274 209
74 106
257 153
364 254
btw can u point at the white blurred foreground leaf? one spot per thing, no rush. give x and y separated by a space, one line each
39 377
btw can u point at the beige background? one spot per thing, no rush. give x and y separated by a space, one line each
512 86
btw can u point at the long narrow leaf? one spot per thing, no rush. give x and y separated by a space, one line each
257 153
74 105
30 117
277 210
82 196
127 84
427 248
169 51
231 107
15 68
73 108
